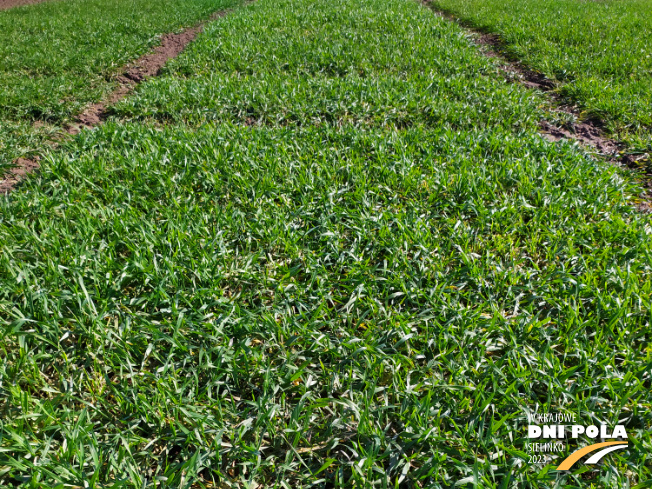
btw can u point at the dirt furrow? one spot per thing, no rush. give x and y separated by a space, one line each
588 133
7 4
145 67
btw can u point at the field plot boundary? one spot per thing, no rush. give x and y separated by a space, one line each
147 66
589 134
7 4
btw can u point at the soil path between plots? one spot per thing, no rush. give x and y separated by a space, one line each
145 67
588 133
7 4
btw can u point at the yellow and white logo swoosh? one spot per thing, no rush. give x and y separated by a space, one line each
607 447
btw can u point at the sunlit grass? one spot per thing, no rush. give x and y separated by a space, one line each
314 281
57 57
598 51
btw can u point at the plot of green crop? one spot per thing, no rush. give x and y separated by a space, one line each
599 51
57 57
278 299
241 304
316 282
341 63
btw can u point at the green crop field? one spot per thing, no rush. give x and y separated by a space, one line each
598 51
59 56
327 247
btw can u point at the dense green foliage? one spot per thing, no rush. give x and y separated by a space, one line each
599 52
57 57
333 66
348 259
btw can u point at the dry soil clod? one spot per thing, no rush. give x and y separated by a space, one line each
22 167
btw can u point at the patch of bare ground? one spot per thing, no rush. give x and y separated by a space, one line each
590 133
22 166
6 4
145 67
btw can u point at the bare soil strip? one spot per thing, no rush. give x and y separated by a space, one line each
134 73
144 67
6 4
588 133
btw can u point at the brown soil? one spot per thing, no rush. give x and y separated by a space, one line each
144 67
588 133
22 167
5 4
